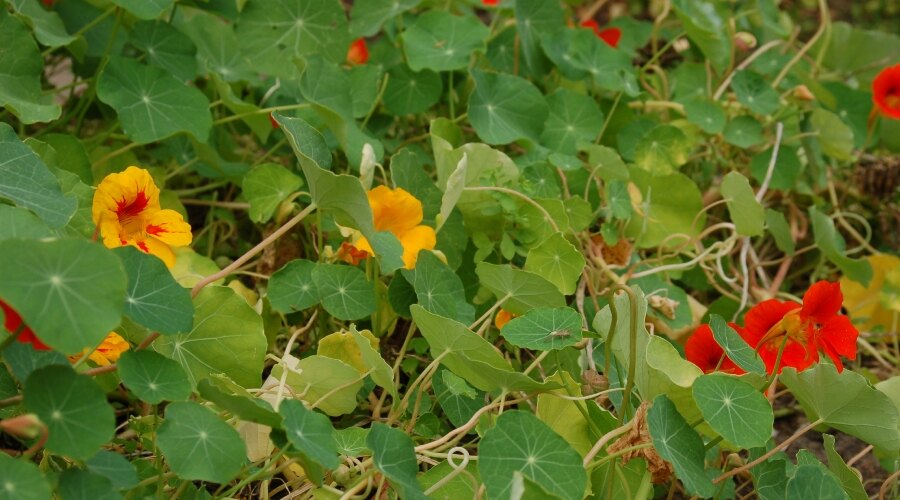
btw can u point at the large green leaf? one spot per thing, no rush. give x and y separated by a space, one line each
74 409
346 293
152 377
266 186
813 482
70 292
468 355
441 41
438 289
747 213
26 180
166 47
227 338
830 242
669 205
410 92
198 445
734 409
47 25
78 484
329 384
21 66
22 480
395 457
573 118
520 442
311 433
153 298
520 290
558 261
678 443
273 33
366 18
846 402
151 103
544 329
292 288
20 223
505 108
534 20
707 26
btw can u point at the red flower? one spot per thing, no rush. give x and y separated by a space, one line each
358 53
886 91
609 35
805 329
703 350
12 322
490 3
350 254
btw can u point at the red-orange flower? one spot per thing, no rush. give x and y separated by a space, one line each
804 329
502 318
886 91
12 322
490 3
359 52
703 350
609 35
350 254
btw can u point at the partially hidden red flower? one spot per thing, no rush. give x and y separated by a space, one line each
359 52
490 3
350 254
804 329
12 322
609 35
886 91
703 350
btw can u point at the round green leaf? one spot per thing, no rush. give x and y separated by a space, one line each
395 457
544 329
266 186
558 261
115 467
706 114
787 168
70 292
227 338
439 289
200 446
292 288
153 298
410 92
153 377
26 180
814 482
78 484
21 66
520 442
754 91
504 108
662 150
678 443
743 132
441 41
669 204
21 480
367 17
573 117
311 433
345 291
151 103
734 409
74 409
167 48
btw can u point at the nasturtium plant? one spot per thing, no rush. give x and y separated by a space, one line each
449 249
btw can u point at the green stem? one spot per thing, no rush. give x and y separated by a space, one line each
261 111
12 337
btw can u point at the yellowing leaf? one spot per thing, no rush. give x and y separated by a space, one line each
342 346
878 305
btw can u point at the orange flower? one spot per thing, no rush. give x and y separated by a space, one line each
502 318
107 353
490 3
13 322
886 91
400 213
358 53
609 35
126 211
703 350
804 329
350 254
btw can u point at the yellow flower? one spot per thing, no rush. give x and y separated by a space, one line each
108 352
126 211
400 213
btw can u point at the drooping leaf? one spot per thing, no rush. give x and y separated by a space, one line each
227 338
153 298
504 108
70 292
395 458
780 229
153 377
328 384
26 180
74 409
441 41
850 482
678 443
746 212
544 329
198 445
520 442
151 103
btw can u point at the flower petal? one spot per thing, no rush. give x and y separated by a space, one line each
126 193
762 317
169 227
886 91
157 248
822 301
394 210
838 337
702 350
418 238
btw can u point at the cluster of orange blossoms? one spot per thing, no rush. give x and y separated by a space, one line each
795 332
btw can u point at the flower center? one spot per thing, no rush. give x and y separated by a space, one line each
791 326
129 214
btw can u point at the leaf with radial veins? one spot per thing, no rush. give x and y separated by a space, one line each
573 117
200 446
346 293
21 66
678 443
151 103
395 457
367 17
441 41
153 377
734 409
154 299
166 47
544 329
266 186
504 108
22 480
